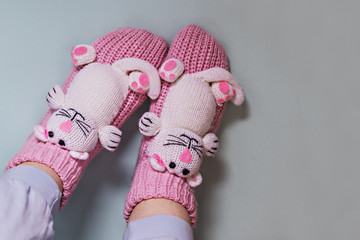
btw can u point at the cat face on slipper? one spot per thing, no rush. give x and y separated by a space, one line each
84 114
182 130
72 130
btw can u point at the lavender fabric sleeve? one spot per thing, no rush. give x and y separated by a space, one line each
38 180
29 199
159 227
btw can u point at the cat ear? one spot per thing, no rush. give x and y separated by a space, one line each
143 77
194 180
157 163
149 124
211 144
171 70
225 87
55 98
83 54
79 155
110 137
41 133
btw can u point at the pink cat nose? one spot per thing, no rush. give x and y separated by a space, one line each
66 126
186 156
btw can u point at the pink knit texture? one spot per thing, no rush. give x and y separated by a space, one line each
198 50
122 43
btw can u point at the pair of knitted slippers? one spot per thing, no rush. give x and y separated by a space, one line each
110 80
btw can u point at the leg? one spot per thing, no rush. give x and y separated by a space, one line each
180 129
165 227
157 206
46 152
29 200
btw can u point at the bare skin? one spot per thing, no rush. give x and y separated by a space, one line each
144 209
48 170
159 206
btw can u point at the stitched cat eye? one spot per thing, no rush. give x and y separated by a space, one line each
51 134
172 165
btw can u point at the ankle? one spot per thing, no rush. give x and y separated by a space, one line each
48 170
159 206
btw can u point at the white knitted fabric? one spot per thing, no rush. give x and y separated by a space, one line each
181 132
191 101
180 152
189 104
92 101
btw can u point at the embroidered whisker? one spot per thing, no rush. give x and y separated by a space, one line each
173 144
182 140
83 123
81 128
174 141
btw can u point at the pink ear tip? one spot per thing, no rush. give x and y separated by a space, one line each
46 133
158 159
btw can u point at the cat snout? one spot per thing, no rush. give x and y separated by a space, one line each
66 126
186 156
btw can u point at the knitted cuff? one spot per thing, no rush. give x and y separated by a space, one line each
124 49
66 167
148 183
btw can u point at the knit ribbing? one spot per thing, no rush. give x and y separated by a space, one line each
198 51
122 43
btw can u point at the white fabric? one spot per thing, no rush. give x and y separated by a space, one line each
159 227
189 104
24 213
98 91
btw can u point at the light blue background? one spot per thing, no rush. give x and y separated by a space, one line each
288 167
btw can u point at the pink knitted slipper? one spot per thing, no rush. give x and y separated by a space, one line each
180 127
95 100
